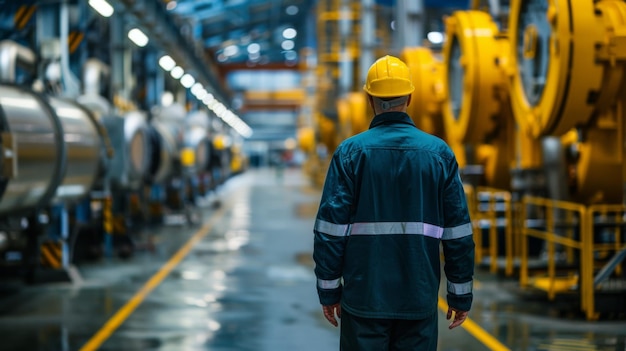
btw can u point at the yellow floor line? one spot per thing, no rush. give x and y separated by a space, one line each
476 331
122 314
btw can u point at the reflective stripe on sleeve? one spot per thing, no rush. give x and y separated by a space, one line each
457 232
461 288
381 228
331 228
328 284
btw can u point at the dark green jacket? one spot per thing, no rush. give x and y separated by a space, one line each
392 197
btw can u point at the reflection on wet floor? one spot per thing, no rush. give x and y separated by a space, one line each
248 284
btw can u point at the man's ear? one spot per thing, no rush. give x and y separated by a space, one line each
408 101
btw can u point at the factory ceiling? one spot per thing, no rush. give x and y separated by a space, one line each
213 38
252 35
251 32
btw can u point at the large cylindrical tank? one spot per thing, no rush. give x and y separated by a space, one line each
130 140
166 141
51 150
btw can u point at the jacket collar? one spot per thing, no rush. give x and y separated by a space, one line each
391 118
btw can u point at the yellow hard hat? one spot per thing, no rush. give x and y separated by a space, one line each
388 77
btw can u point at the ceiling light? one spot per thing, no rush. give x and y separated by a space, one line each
231 50
435 37
201 94
291 55
254 57
208 99
197 88
287 44
289 33
138 37
254 48
167 99
219 109
167 63
177 72
187 80
171 5
292 10
102 7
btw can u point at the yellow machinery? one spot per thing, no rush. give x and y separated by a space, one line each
427 99
567 72
567 77
355 114
479 126
476 110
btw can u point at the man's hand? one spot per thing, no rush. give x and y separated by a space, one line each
459 317
329 313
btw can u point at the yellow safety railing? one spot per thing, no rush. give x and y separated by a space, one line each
612 220
571 227
551 212
492 209
577 241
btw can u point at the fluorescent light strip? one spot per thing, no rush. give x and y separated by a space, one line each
102 7
187 80
196 88
167 62
138 37
177 72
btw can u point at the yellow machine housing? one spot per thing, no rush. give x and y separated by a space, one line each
556 76
427 99
476 110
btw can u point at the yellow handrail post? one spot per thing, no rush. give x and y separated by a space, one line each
523 275
551 252
493 234
508 232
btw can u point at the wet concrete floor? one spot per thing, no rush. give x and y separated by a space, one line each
243 280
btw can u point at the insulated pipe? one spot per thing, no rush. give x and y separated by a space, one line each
13 54
57 148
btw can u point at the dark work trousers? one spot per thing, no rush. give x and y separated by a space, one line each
368 334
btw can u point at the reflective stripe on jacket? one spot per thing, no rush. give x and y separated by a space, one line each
392 197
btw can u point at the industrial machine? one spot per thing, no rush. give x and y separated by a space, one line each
570 62
538 107
476 109
426 106
83 168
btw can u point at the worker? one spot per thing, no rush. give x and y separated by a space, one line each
392 197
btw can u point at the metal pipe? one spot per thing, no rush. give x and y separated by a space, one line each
70 83
58 150
410 24
94 71
12 55
368 38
